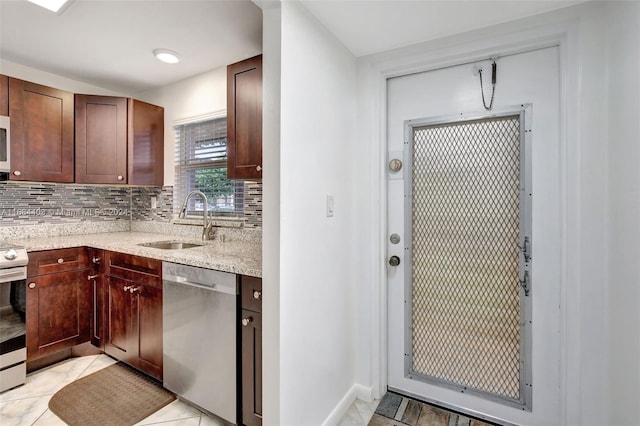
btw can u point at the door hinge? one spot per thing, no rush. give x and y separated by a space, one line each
525 283
526 250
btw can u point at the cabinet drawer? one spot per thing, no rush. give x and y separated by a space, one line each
61 260
251 293
134 268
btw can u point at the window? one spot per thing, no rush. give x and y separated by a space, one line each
201 164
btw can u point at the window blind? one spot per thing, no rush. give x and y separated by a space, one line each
201 164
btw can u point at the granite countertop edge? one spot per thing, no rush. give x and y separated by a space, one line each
238 257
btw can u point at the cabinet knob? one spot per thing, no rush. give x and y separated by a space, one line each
96 260
17 173
61 260
247 321
32 285
133 289
257 294
120 177
126 287
259 168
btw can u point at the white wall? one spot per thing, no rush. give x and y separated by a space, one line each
34 75
317 274
623 60
193 97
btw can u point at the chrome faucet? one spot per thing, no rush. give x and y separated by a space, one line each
206 224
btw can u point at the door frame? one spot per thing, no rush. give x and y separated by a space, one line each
502 41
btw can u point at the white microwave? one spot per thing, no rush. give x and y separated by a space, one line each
5 144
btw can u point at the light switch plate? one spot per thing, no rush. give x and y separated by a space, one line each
329 205
154 202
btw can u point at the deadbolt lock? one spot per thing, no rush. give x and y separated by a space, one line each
395 165
394 261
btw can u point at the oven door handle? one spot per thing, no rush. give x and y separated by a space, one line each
13 274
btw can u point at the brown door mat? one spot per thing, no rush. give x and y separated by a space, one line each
116 396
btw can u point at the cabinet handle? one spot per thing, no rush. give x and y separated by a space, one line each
17 173
120 177
61 260
126 287
32 285
134 289
92 277
259 168
257 294
247 321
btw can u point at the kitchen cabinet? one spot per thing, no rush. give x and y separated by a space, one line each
4 95
98 294
118 141
58 301
251 358
133 308
244 119
42 141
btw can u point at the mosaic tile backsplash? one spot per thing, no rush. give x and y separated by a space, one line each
23 204
49 203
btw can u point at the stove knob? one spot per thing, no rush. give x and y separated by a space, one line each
11 254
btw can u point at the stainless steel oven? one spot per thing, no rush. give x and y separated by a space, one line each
13 303
5 145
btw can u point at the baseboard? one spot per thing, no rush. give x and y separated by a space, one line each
356 391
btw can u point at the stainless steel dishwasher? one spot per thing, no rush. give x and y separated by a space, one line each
199 337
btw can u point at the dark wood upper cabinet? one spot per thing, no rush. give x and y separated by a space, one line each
101 139
146 144
4 95
42 147
244 119
119 140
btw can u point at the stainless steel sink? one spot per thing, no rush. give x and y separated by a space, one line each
170 245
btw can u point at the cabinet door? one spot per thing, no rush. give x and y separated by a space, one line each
101 139
41 132
251 368
119 333
58 307
148 301
98 296
146 144
244 119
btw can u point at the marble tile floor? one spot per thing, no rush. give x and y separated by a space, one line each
28 405
397 410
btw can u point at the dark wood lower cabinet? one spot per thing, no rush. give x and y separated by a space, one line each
252 369
133 323
58 311
251 358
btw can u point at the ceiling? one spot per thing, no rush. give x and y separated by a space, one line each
109 43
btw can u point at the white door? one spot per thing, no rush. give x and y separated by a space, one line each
527 91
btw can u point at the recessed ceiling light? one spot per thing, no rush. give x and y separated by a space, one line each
53 5
168 56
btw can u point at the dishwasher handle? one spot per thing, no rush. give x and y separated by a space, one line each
207 279
213 286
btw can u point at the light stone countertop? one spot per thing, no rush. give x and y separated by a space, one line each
239 257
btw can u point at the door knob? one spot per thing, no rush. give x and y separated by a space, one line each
394 261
